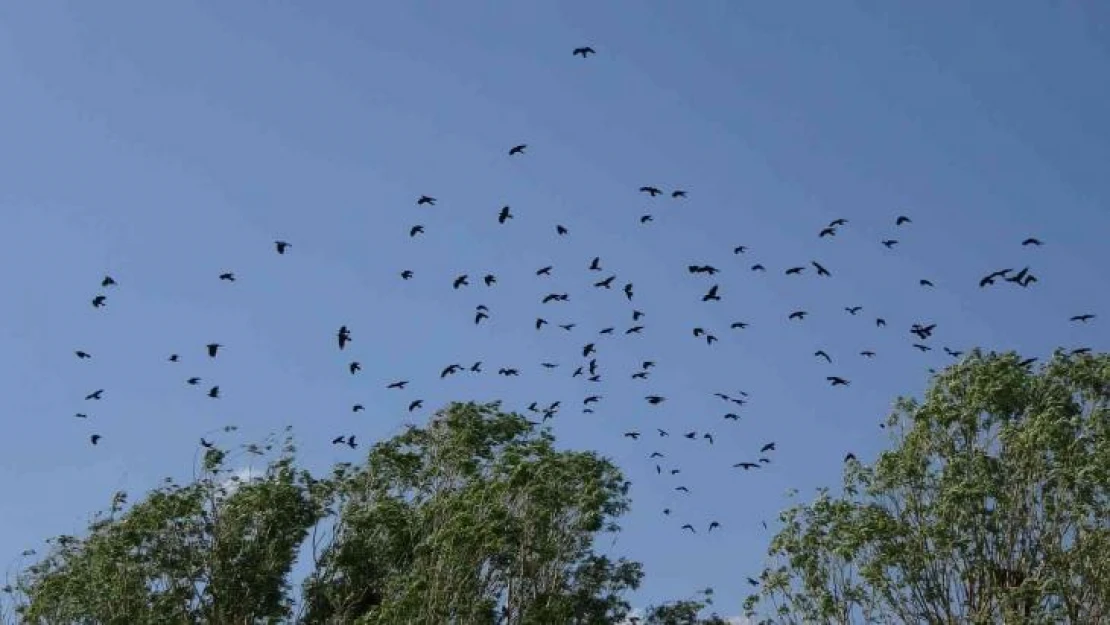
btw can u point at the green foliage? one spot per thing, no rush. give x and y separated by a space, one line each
992 507
476 518
684 612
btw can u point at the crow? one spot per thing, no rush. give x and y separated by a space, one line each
561 230
281 246
504 215
517 149
213 348
711 295
746 465
1084 318
416 404
606 283
82 355
738 325
174 358
214 392
544 271
97 395
426 199
229 276
837 381
890 243
924 282
584 51
645 218
655 399
193 381
595 264
989 278
95 438
798 314
628 291
794 271
344 336
677 193
354 367
739 249
1032 241
768 447
415 230
902 220
827 232
758 267
853 309
205 444
489 279
821 271
821 354
837 222
98 301
652 191
689 527
460 282
107 282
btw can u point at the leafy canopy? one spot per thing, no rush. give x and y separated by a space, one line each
992 507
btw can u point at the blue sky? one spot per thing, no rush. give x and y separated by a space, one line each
166 143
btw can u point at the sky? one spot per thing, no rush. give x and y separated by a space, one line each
166 143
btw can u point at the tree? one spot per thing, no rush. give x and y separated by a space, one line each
476 518
992 507
684 612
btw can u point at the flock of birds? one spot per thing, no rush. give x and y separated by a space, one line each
588 367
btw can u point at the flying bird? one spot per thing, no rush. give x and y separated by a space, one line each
426 199
95 395
1032 241
344 336
228 276
821 271
821 354
213 348
837 381
517 149
214 392
652 191
354 367
768 447
677 193
416 404
711 295
95 438
415 230
890 243
108 281
460 281
827 232
82 355
902 220
504 215
1084 318
584 51
853 309
561 230
281 246
798 314
924 282
739 249
98 301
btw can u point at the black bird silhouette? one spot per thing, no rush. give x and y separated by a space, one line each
549 365
902 220
655 399
709 437
867 353
677 193
645 218
339 440
647 364
592 399
98 301
753 582
738 325
709 269
517 149
746 465
354 367
923 332
713 525
837 222
837 381
213 348
953 353
357 408
107 282
880 322
607 330
1018 278
1084 318
821 271
632 435
739 249
768 447
205 444
567 326
628 291
689 527
193 381
890 243
924 282
1032 241
228 276
415 230
561 230
508 372
758 267
924 348
426 199
416 404
95 438
450 370
798 314
588 349
479 316
504 215
539 322
460 281
732 416
95 394
634 330
652 191
173 358
489 279
853 309
711 295
544 271
595 264
476 367
606 283
682 488
584 51
637 315
281 246
406 274
640 375
821 354
81 415
82 355
344 336
849 457
793 271
990 278
214 392
827 232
